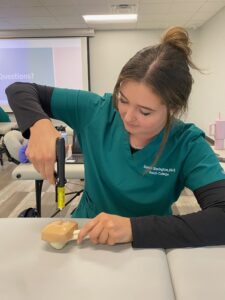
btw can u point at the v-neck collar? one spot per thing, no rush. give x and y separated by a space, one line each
149 151
150 148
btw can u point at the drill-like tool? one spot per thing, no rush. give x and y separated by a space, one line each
60 176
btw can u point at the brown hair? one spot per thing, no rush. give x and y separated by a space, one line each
164 68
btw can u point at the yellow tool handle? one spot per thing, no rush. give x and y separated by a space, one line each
61 197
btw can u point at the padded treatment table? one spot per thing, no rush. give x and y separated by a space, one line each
198 273
28 172
6 127
31 269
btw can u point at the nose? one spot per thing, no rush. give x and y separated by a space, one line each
130 115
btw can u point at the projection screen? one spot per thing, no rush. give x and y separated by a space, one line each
61 62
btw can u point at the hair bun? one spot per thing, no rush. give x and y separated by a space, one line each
178 36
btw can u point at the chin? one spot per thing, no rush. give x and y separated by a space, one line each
130 129
133 131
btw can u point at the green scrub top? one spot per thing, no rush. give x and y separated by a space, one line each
4 116
122 183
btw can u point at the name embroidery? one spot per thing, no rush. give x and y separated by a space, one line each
160 171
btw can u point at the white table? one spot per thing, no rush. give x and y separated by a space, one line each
198 273
220 154
31 269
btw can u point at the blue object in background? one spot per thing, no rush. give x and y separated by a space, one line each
22 155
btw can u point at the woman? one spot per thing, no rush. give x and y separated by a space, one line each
138 155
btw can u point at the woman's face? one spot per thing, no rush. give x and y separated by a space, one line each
142 111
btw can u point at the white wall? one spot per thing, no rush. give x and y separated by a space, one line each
208 97
110 50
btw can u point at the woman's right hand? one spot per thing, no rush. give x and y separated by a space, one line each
41 150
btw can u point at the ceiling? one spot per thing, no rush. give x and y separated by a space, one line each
61 14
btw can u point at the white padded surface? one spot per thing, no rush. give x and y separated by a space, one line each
28 172
69 130
6 127
31 269
198 273
13 140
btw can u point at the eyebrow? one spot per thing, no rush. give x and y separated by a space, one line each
145 107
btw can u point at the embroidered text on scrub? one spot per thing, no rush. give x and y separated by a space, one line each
159 171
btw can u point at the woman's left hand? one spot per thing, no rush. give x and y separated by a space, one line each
107 229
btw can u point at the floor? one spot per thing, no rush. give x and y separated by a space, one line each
17 195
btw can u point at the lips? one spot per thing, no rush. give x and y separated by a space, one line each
130 125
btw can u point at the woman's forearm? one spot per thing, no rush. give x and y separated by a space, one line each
203 228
